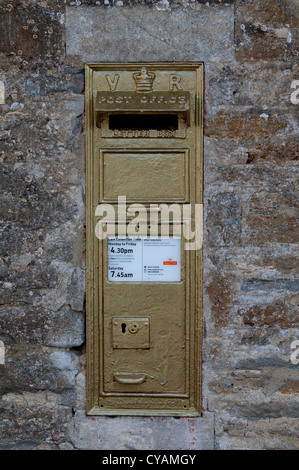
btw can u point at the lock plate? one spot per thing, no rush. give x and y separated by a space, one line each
130 333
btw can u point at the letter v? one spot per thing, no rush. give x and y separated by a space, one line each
112 82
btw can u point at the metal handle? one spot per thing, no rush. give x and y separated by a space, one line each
134 379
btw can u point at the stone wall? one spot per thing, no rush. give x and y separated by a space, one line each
250 303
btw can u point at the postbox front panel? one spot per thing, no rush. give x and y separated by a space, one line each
144 140
139 172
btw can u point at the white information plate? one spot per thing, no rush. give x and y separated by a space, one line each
144 259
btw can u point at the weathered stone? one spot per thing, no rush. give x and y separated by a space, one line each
31 418
273 217
254 178
33 368
269 284
36 29
26 202
281 380
76 290
279 153
290 386
19 445
220 294
269 354
266 410
66 446
263 362
264 31
251 338
46 446
16 279
280 314
257 262
250 302
294 300
277 433
223 217
261 87
197 32
242 127
137 433
55 81
64 328
233 384
285 264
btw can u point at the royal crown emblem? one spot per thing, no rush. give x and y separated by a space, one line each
144 80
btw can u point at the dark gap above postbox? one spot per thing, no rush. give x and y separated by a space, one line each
143 121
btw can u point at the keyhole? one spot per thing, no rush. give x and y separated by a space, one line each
123 328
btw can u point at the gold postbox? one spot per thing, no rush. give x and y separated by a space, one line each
144 147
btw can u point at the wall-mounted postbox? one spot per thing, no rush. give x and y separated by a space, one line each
144 158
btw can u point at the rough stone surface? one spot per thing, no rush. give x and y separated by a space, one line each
139 433
129 32
251 300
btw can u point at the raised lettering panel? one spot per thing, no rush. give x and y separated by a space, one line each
132 101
